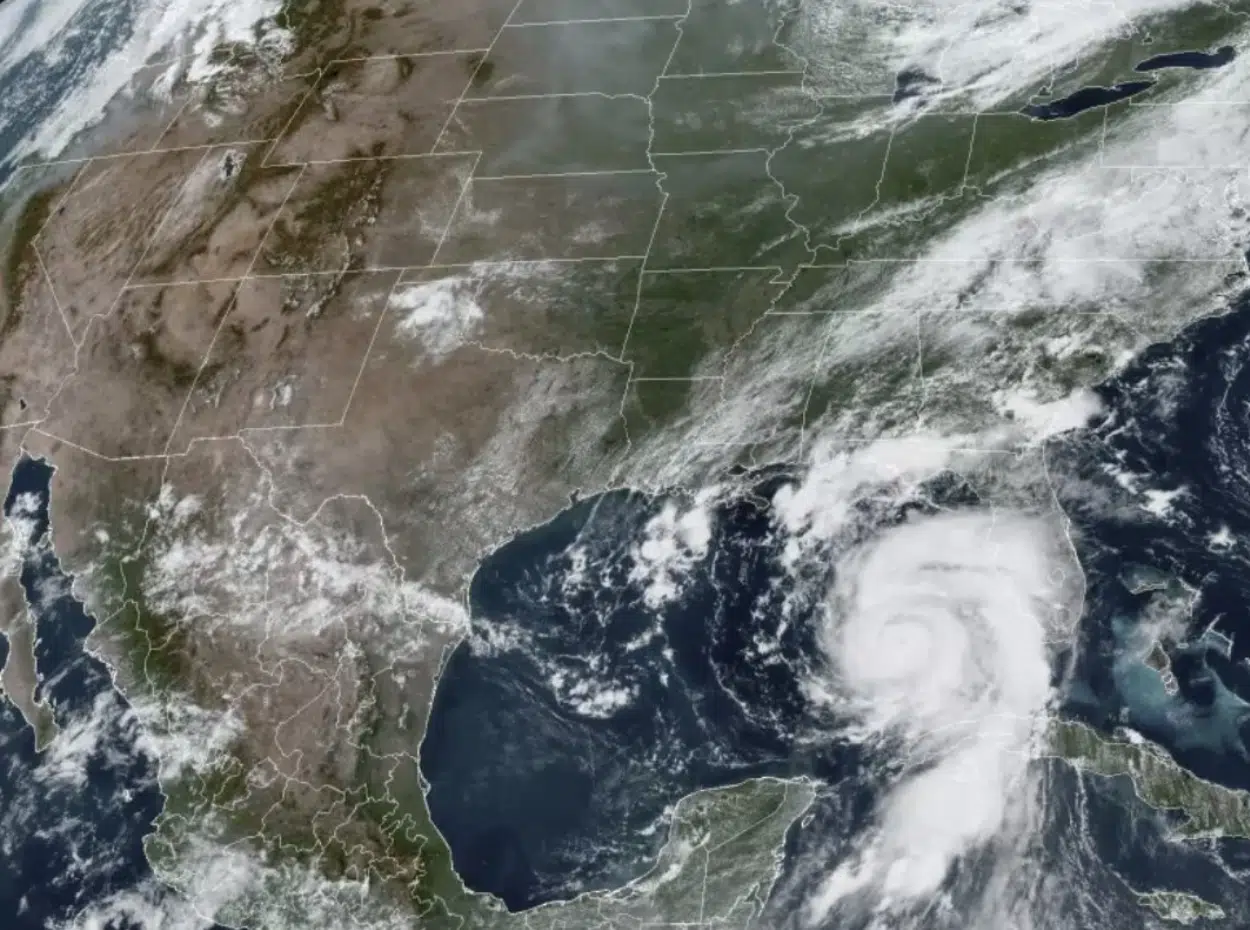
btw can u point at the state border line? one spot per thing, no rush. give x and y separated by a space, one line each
597 20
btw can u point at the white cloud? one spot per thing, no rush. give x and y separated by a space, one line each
984 51
819 507
1094 254
17 533
675 540
146 907
1042 419
233 886
237 887
84 738
270 577
114 41
442 314
936 636
184 737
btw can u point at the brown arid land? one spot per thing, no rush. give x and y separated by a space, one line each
307 339
303 343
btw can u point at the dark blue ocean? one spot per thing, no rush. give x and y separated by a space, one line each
70 834
540 803
542 797
74 816
1178 422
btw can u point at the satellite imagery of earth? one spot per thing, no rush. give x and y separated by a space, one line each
625 464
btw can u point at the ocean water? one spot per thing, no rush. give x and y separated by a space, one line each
540 803
579 711
597 711
1159 492
72 818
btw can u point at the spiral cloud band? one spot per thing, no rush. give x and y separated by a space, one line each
936 634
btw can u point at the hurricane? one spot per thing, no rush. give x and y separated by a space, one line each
937 632
545 464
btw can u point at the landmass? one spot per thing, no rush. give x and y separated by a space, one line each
1206 809
1179 907
394 283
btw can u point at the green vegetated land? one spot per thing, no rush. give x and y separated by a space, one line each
20 261
1179 907
1207 809
854 198
718 865
719 861
851 197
